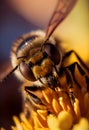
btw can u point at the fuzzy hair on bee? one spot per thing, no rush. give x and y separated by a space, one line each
37 58
21 48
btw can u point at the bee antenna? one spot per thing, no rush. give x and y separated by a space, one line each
44 43
2 80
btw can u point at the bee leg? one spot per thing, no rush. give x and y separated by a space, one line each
70 85
27 107
35 100
82 72
79 59
33 88
72 97
69 77
87 81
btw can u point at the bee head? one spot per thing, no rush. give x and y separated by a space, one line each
34 57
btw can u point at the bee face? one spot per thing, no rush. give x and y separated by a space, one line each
34 60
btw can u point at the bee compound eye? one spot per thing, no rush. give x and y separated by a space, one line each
53 52
26 71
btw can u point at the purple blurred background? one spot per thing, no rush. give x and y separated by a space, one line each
11 27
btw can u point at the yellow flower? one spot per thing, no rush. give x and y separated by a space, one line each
82 125
63 121
61 113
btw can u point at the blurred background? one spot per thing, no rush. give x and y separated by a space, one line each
22 16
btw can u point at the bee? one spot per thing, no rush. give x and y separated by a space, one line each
37 58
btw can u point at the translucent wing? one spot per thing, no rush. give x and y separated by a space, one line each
62 10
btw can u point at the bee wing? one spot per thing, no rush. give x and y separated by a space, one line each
62 10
